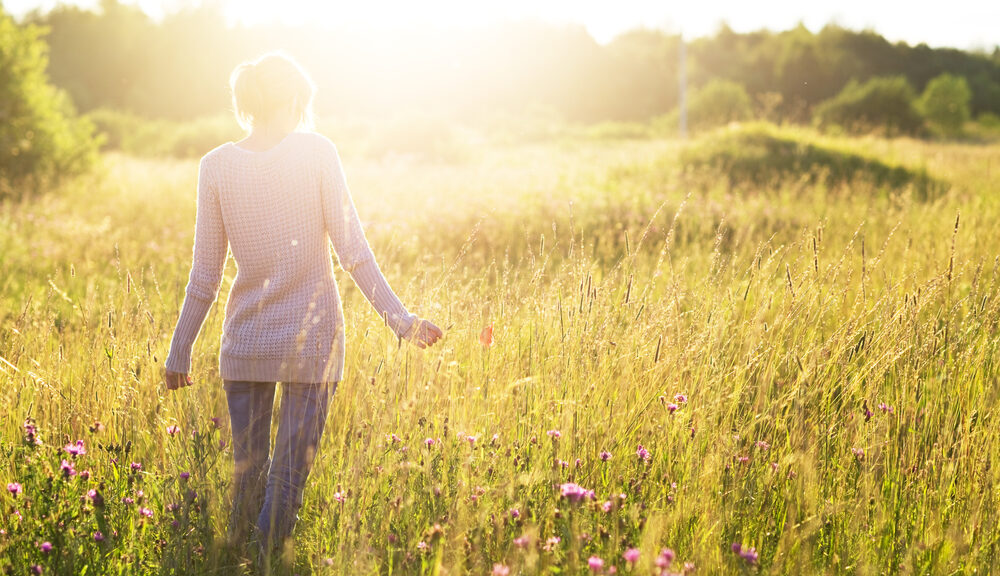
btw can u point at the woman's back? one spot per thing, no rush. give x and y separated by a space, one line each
277 211
284 302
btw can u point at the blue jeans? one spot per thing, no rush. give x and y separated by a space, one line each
267 488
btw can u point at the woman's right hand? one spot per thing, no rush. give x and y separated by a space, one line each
176 380
424 333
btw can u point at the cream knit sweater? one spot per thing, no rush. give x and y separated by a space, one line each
278 210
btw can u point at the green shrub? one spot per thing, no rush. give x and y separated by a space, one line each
139 136
198 137
885 105
617 131
718 103
989 120
762 156
945 103
41 139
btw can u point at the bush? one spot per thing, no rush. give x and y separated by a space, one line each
989 120
718 103
139 136
617 131
879 105
762 156
41 139
945 103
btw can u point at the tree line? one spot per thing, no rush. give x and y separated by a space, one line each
117 57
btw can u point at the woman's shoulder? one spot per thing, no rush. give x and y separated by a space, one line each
317 140
212 156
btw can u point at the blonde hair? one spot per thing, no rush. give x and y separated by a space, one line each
264 86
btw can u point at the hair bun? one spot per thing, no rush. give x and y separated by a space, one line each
264 87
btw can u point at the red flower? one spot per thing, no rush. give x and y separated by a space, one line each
486 336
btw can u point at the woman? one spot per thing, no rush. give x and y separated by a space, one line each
276 199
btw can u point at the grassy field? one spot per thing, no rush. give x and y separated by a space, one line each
787 376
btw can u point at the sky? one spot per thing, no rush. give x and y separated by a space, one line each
965 24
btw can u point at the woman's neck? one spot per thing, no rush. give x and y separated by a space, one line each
264 137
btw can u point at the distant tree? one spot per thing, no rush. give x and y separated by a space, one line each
879 105
945 103
40 136
717 103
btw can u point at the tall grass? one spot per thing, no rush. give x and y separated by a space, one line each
832 345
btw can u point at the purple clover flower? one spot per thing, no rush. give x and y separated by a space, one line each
642 453
75 449
747 554
595 563
575 493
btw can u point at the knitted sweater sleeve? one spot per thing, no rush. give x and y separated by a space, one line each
211 246
353 252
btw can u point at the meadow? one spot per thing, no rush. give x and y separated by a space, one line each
692 368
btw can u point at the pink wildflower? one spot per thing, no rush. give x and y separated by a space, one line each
631 555
575 493
642 453
595 563
75 449
14 488
747 554
666 558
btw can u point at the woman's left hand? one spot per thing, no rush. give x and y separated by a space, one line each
176 380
